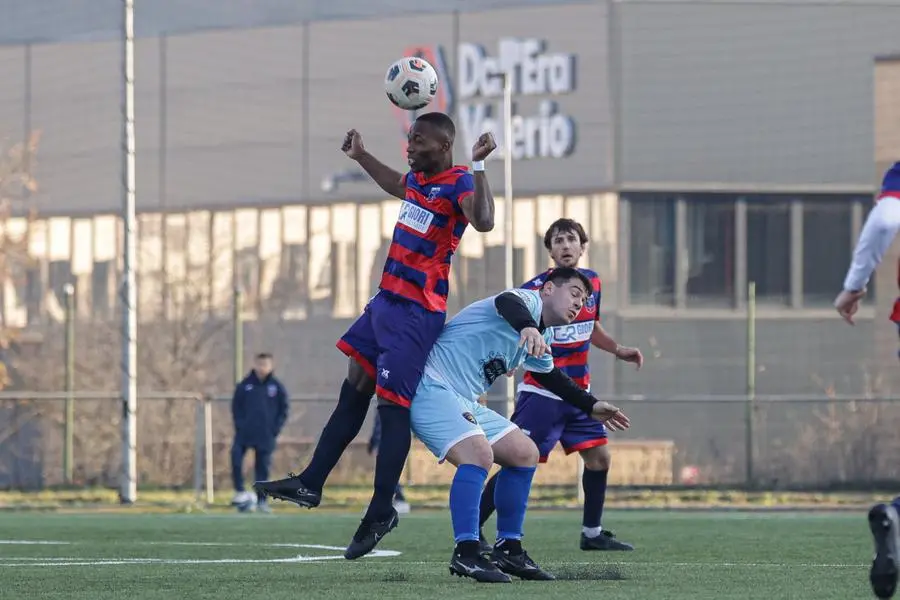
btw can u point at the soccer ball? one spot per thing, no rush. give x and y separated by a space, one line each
411 83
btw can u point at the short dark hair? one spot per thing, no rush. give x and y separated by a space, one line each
565 226
264 356
440 121
561 275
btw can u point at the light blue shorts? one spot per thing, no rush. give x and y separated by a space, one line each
441 418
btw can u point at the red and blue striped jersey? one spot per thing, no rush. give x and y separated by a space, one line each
426 235
571 343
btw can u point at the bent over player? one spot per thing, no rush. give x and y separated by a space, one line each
539 411
485 341
389 343
876 237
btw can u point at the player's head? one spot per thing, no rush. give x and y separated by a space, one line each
563 295
429 145
263 365
566 240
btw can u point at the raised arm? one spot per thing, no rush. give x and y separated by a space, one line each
478 205
391 181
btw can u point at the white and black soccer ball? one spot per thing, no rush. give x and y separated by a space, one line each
411 83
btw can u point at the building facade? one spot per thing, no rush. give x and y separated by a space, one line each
704 145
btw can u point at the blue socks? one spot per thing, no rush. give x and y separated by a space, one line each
511 499
594 485
465 493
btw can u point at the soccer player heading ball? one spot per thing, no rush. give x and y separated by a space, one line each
389 342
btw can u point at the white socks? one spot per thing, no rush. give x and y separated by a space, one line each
591 532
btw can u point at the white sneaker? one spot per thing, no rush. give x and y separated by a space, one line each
263 507
244 501
402 507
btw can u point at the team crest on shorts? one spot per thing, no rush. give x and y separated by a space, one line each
470 418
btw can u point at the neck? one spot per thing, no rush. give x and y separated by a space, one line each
545 323
439 168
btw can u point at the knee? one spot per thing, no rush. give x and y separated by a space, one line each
472 451
597 458
522 452
359 379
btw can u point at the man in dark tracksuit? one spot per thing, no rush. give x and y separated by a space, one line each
259 409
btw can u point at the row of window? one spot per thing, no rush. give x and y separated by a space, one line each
297 262
796 249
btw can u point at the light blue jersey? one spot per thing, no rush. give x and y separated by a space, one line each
478 346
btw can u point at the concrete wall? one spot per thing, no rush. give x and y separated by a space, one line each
750 93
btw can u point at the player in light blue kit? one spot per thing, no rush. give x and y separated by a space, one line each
485 341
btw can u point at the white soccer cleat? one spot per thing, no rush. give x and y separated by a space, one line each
402 507
244 501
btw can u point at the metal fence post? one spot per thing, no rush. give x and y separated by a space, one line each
68 449
751 381
208 445
238 341
199 443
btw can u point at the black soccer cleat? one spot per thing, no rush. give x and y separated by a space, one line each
605 541
518 564
468 562
884 523
290 489
368 534
484 547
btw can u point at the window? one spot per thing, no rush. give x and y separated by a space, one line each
651 249
769 248
827 247
710 250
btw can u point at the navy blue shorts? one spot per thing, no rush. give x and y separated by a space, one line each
547 421
391 341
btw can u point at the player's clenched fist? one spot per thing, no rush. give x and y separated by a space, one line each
533 342
353 144
611 416
484 145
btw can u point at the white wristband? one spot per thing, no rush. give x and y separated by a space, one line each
477 166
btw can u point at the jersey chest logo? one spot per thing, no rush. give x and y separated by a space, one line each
590 305
493 367
415 217
575 332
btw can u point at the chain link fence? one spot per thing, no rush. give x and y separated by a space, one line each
184 441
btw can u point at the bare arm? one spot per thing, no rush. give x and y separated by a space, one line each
388 179
602 340
478 207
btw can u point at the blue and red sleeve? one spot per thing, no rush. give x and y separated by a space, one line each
465 187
